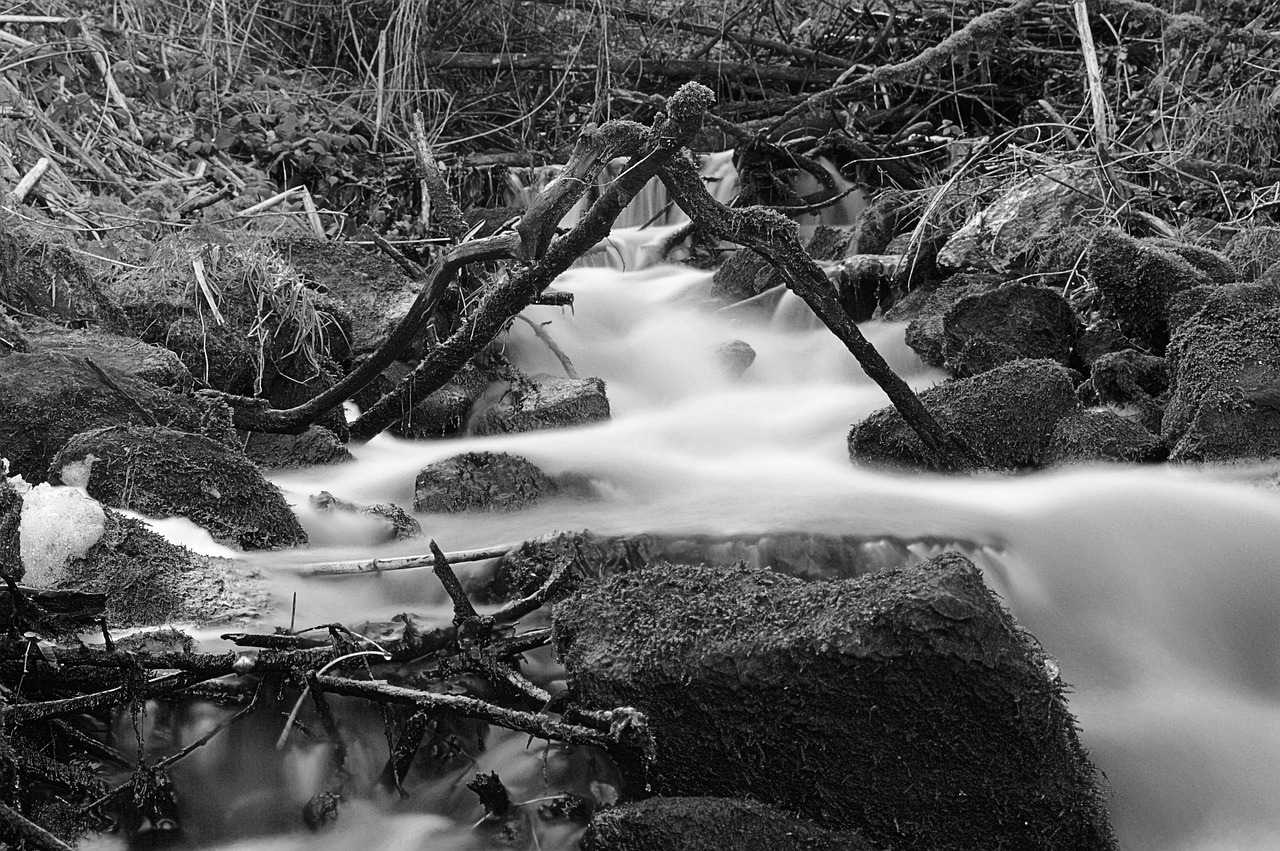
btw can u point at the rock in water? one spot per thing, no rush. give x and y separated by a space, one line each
164 473
710 824
907 705
480 481
1101 435
550 402
1006 414
986 329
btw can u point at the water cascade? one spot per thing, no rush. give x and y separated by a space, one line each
1155 588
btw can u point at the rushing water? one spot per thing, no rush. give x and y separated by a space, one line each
1156 588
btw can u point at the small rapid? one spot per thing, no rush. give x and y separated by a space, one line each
1157 589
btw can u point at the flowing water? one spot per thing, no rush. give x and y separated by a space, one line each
1157 589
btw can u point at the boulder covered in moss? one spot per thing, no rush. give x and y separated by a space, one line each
1253 251
481 481
1136 280
149 581
160 472
1224 403
1098 435
985 329
45 399
125 355
545 401
906 705
710 824
1006 415
1134 382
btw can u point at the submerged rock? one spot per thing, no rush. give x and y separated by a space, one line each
710 824
47 398
546 402
907 705
1101 435
160 472
1224 404
481 481
734 358
985 329
1007 415
400 525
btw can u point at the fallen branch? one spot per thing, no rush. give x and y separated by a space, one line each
661 67
382 565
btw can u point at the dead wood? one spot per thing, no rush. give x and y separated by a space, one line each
663 67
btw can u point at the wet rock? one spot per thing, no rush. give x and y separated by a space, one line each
905 698
936 299
56 524
927 337
314 447
1030 213
445 412
149 581
710 824
880 221
1007 415
734 357
1098 340
45 399
986 329
1101 435
481 481
1133 380
160 472
545 402
400 524
830 244
744 275
1224 404
1253 251
1136 280
124 355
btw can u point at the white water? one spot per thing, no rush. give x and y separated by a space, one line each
1157 589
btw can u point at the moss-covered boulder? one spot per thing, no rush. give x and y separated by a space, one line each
1100 434
125 355
1136 280
983 330
545 401
481 481
160 472
710 824
45 399
907 705
314 447
1006 415
1253 251
1224 404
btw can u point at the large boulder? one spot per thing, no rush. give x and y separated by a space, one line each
125 355
907 705
985 329
545 401
1136 280
45 399
1006 415
314 447
1224 404
1099 435
710 824
160 472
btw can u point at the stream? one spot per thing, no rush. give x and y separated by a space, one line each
1157 588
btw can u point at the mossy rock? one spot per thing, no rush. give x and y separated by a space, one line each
1006 415
907 705
481 481
983 330
546 401
45 399
149 581
1136 280
744 275
710 824
1100 435
126 355
160 472
1253 251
